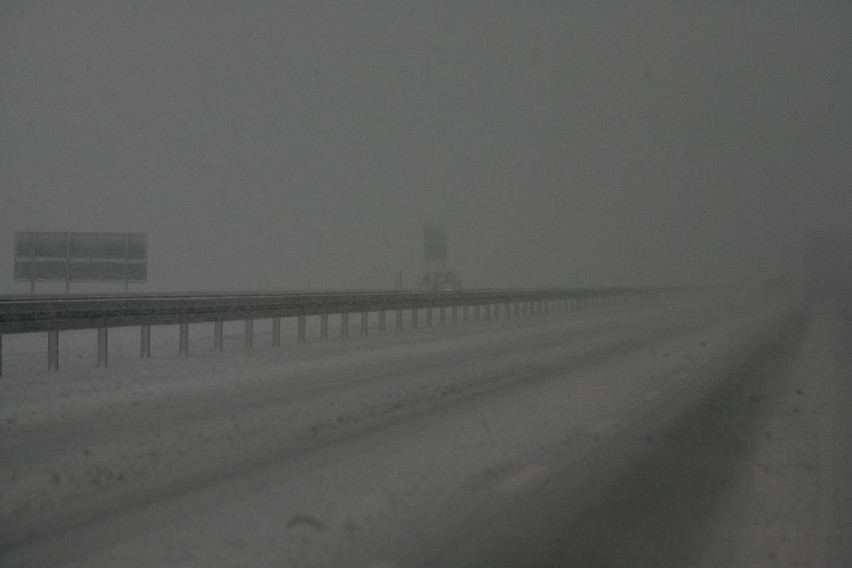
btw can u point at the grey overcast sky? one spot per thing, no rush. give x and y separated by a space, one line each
264 145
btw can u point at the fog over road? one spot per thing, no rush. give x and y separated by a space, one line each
706 432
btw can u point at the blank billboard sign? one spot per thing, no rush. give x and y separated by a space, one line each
81 257
435 243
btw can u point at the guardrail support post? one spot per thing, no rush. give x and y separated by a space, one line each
249 334
52 350
145 342
442 316
455 314
103 346
414 318
301 329
466 313
364 323
429 316
476 312
183 339
517 310
399 320
487 309
344 324
276 331
324 327
1 355
217 336
382 321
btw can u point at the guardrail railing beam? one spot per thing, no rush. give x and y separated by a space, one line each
53 314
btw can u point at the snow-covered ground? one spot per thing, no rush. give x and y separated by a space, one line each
391 450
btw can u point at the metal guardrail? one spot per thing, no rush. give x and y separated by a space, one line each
52 314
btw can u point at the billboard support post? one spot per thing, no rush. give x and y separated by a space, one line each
32 260
126 260
67 262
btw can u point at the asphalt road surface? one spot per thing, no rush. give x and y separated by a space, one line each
707 432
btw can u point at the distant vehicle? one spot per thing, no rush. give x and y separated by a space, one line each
440 281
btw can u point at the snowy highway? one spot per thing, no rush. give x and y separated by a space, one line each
704 432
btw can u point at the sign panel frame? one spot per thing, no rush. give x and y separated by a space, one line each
435 243
53 256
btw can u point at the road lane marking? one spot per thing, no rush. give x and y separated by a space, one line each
519 479
604 425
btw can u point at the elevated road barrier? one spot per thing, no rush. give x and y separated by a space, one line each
52 314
